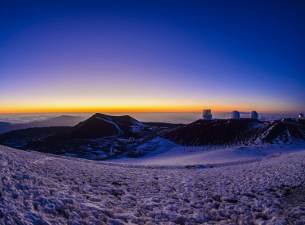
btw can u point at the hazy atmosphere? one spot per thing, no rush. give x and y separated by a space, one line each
99 56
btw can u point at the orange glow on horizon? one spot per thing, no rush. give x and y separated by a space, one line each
217 109
94 110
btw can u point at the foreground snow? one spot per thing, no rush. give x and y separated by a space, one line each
37 188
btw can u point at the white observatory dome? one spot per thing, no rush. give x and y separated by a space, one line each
254 115
301 116
235 115
206 114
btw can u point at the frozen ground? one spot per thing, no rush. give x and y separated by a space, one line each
37 188
164 152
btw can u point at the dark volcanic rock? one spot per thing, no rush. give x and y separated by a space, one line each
237 132
20 138
32 132
286 131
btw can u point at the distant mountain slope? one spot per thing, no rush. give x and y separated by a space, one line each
99 125
20 138
32 132
237 132
63 120
163 124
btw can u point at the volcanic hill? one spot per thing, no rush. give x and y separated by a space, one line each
230 132
99 125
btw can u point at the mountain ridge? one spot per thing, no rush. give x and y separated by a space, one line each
233 132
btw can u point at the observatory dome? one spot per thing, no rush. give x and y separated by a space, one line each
301 116
254 115
235 115
206 114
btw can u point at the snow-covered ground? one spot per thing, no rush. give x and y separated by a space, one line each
164 152
38 188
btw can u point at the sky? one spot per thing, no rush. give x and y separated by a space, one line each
90 56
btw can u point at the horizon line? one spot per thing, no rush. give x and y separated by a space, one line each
133 111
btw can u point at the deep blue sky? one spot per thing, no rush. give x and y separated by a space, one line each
152 55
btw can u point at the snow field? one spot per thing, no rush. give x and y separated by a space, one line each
37 188
162 152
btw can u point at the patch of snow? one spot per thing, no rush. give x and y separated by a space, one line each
109 121
136 123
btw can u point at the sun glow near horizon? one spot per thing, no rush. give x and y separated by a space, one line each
137 108
151 99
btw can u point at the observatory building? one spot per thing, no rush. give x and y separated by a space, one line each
235 115
136 129
206 114
301 116
254 115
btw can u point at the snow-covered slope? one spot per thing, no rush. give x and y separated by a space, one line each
162 152
38 188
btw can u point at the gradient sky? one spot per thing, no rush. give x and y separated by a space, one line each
152 56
